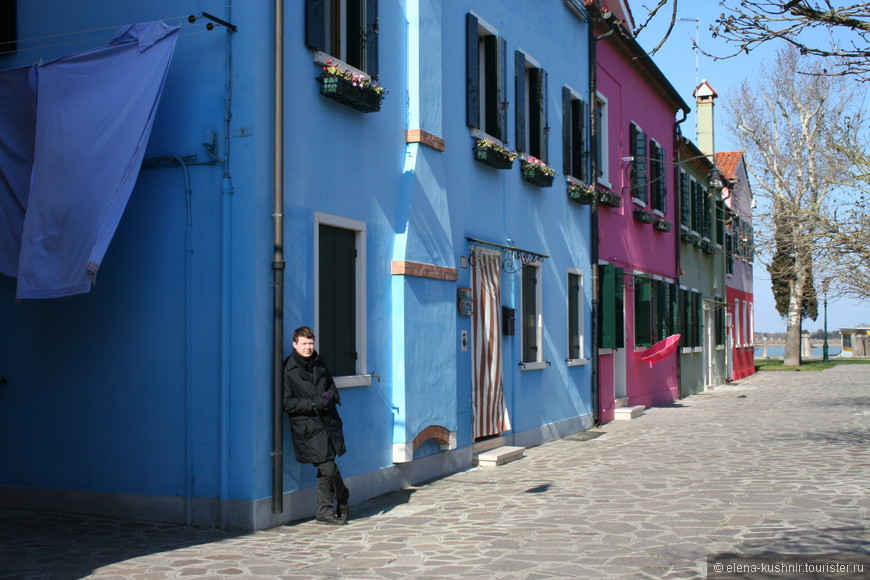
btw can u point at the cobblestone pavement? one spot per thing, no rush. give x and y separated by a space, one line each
776 463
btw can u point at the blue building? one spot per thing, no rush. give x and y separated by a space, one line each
432 236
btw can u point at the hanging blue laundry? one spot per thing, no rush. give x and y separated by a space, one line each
17 134
94 113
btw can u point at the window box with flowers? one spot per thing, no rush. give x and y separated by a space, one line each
581 193
350 88
609 198
537 172
491 152
644 216
662 225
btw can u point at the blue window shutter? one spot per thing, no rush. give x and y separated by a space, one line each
472 73
520 91
502 90
315 24
371 38
491 108
567 132
545 117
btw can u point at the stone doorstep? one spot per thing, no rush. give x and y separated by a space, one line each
487 444
499 456
628 413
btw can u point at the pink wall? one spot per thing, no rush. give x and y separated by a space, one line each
623 241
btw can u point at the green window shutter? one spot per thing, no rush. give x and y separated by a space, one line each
729 254
530 314
708 216
673 310
472 73
639 175
619 306
610 305
337 300
661 310
520 92
658 186
720 222
685 200
642 310
685 317
699 318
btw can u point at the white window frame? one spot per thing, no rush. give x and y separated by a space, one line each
541 362
581 317
361 378
602 135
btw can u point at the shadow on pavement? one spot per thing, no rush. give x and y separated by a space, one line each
56 546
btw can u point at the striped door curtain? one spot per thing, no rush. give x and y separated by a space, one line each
490 411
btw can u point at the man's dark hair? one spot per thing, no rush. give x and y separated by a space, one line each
304 332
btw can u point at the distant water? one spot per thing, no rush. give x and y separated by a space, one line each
779 351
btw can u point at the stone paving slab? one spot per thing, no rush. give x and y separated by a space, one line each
775 463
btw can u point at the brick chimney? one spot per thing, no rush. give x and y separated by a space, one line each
704 96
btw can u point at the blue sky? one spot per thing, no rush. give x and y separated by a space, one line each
685 69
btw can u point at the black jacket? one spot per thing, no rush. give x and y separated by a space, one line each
314 421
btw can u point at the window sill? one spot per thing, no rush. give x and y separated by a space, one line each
321 58
534 366
577 362
720 347
638 202
353 381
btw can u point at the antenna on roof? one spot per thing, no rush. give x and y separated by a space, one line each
695 47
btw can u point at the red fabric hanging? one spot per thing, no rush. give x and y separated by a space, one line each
660 350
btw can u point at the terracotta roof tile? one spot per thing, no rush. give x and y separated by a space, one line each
727 163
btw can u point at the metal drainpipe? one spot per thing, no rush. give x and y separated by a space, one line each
678 205
593 250
278 271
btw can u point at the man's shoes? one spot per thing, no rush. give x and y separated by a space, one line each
330 520
342 507
342 512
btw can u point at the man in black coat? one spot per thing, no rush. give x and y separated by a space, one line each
310 399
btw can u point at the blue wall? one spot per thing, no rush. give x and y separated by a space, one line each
158 379
158 382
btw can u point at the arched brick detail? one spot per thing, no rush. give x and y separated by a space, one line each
436 432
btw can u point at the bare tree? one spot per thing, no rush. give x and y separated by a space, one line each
747 24
789 121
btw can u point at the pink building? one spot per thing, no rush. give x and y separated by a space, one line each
637 110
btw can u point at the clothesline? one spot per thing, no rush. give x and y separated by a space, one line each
102 39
